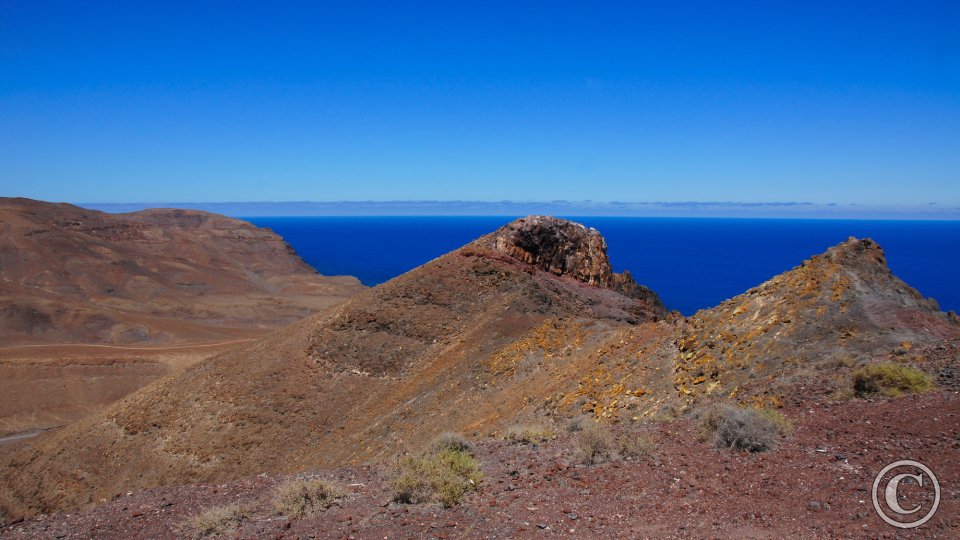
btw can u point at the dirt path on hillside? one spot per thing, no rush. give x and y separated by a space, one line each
8 439
73 346
48 385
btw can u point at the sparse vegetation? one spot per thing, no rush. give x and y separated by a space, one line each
736 428
784 424
594 444
889 380
632 445
529 434
666 412
443 474
301 497
451 441
578 423
217 521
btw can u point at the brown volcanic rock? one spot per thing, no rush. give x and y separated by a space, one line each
565 248
156 276
558 246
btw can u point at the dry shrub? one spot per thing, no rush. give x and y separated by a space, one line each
529 434
594 444
890 380
632 445
666 412
708 421
442 474
735 428
577 424
450 441
217 521
302 497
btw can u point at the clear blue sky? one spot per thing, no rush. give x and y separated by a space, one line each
848 102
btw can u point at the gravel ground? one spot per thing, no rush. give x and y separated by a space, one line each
815 484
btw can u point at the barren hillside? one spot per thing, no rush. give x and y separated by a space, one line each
94 306
525 323
70 275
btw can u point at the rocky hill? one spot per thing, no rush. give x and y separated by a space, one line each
70 275
527 322
835 311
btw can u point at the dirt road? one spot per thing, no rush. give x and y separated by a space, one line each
42 386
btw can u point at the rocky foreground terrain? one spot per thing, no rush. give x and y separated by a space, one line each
815 484
528 325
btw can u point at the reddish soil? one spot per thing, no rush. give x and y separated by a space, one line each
814 484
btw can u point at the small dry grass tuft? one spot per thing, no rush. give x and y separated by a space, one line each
784 424
633 446
450 441
529 434
890 380
595 443
302 497
443 474
217 521
666 413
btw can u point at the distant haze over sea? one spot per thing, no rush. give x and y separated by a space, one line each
711 209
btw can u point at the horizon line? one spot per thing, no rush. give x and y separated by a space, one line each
587 208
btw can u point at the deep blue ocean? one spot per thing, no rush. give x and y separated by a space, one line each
692 263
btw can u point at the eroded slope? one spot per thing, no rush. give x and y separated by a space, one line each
70 275
462 343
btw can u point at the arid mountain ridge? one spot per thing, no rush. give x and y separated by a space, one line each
527 322
94 306
71 275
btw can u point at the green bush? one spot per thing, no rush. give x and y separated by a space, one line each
890 380
217 521
529 434
301 497
442 474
